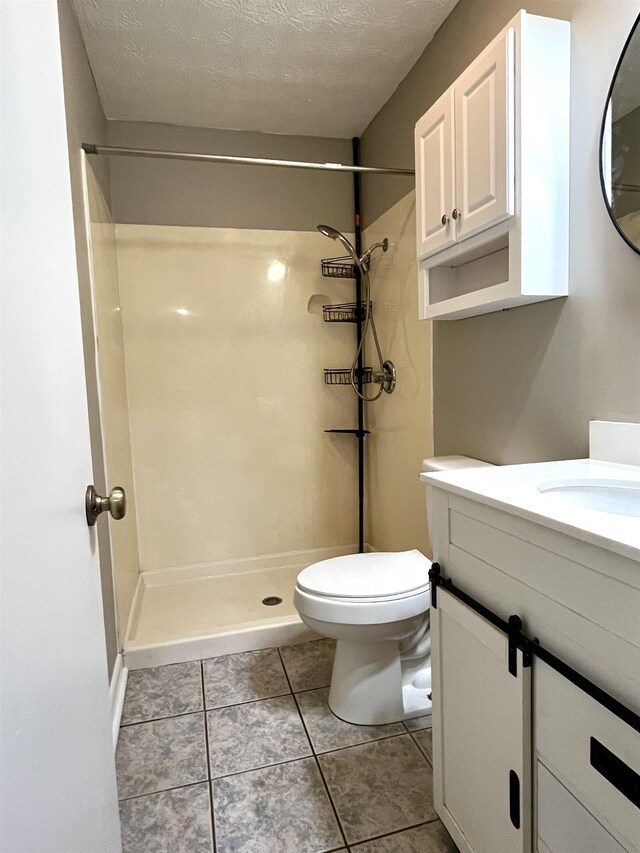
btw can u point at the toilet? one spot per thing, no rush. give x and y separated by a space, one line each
376 606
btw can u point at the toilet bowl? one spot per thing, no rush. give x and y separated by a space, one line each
376 606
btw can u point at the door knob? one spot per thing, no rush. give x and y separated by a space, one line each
456 213
116 503
445 219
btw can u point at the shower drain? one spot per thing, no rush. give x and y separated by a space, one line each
271 600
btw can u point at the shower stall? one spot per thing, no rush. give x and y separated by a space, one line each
240 464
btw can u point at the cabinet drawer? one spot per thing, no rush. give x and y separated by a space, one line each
564 825
591 751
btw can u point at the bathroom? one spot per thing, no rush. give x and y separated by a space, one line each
201 313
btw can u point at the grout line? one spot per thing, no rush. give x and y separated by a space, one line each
248 702
315 757
163 790
209 783
158 719
262 767
362 743
163 719
395 832
335 811
311 689
422 752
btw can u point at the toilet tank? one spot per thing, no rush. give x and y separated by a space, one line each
449 463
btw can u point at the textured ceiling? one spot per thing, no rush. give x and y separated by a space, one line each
310 67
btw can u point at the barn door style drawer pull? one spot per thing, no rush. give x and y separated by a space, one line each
514 798
614 770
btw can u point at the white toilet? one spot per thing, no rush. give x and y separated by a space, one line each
376 606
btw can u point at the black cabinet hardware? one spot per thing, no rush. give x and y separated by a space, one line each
514 798
614 770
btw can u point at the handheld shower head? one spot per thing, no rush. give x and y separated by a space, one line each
328 231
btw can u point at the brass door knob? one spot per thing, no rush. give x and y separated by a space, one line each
94 504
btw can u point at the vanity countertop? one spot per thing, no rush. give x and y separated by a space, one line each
514 489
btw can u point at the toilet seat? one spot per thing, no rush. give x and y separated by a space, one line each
372 576
365 589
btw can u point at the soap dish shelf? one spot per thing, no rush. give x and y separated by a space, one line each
360 433
348 312
342 375
342 267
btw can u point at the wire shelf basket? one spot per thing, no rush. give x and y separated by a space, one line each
342 376
338 267
348 312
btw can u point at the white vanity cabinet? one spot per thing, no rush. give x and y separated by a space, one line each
577 761
492 177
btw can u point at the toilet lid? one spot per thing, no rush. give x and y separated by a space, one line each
374 575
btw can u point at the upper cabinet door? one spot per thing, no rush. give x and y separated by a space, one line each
484 117
434 177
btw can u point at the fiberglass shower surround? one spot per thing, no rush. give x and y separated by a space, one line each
209 609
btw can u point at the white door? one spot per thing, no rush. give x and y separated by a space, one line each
58 789
484 118
434 177
482 732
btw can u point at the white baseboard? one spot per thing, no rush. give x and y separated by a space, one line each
117 690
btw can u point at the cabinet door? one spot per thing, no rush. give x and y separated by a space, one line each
434 177
484 119
481 732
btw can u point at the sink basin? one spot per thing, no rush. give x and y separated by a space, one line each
619 497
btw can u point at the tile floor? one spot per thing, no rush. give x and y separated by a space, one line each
241 754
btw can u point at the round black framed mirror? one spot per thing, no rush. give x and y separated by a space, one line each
620 143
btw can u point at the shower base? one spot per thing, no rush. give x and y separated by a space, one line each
203 611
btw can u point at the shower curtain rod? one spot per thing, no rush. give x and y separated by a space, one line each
241 161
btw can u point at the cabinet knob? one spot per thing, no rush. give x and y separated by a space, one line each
445 219
456 213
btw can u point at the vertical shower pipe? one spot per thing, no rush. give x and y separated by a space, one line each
355 142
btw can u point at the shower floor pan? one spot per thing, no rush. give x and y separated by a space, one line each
203 611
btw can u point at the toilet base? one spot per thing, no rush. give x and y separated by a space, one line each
371 685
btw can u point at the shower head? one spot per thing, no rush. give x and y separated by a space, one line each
328 231
363 262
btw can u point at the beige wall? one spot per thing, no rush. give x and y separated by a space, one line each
226 395
86 121
401 423
522 385
167 192
113 398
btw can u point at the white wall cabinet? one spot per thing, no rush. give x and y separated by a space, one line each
484 104
492 177
435 174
